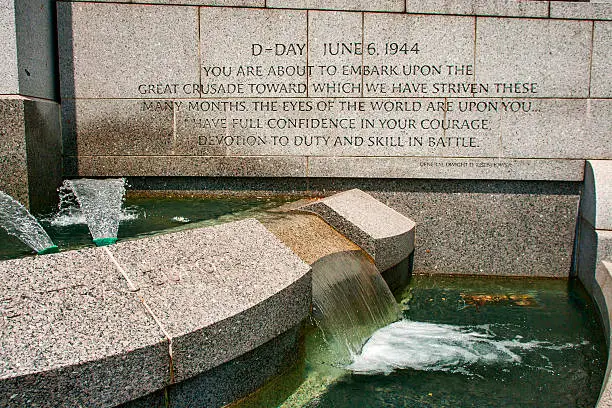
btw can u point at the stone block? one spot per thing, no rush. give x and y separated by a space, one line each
510 8
14 176
127 50
218 292
44 153
596 203
559 128
601 80
69 323
327 31
477 227
185 166
556 60
13 156
307 127
36 49
470 133
121 127
9 70
307 235
392 41
30 151
270 42
27 38
465 127
446 168
313 127
382 232
355 5
338 127
593 10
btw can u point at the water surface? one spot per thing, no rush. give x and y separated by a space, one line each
462 342
144 216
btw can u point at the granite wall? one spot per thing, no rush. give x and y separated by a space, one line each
496 106
30 137
508 90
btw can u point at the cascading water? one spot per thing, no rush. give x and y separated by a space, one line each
100 202
18 221
351 301
482 344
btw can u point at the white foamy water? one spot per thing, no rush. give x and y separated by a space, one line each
181 219
75 216
439 347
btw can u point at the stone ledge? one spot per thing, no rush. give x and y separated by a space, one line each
327 167
447 168
386 235
502 8
596 205
580 10
222 3
169 166
218 292
204 297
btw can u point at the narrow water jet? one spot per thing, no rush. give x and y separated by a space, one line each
100 201
18 221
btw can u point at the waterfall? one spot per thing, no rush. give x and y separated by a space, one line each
350 298
18 221
350 301
100 202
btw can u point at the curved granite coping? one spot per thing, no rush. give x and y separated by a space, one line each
109 325
602 293
596 202
386 235
595 251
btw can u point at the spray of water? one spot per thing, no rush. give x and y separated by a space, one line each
70 213
439 347
18 221
100 203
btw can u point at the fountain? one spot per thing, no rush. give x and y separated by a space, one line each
100 201
18 221
359 342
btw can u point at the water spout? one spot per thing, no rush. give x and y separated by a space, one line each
100 201
18 221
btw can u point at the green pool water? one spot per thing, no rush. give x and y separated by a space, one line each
145 216
464 342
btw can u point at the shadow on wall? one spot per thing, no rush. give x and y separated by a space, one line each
65 46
